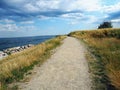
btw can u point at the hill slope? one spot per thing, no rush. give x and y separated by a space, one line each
14 67
104 44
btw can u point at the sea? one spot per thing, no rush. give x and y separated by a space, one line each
21 41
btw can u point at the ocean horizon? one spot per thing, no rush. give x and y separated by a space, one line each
9 42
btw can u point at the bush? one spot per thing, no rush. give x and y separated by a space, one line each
105 25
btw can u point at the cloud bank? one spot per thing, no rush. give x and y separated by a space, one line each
25 9
25 12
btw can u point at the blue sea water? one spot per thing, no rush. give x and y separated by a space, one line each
20 41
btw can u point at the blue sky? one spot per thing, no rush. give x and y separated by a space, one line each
50 17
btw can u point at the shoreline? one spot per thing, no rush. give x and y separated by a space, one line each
6 43
16 66
9 51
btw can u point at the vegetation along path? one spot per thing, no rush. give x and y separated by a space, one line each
67 69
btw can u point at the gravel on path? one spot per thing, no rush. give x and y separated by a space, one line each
67 69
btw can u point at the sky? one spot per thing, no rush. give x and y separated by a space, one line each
20 18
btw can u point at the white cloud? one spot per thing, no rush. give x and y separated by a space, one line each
79 8
111 8
48 5
31 8
80 17
86 5
7 21
38 6
14 27
28 28
43 17
115 20
27 22
41 6
8 27
73 15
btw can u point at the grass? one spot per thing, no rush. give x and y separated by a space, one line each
104 45
14 67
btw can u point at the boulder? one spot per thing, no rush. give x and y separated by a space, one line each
23 47
30 45
2 54
26 46
8 51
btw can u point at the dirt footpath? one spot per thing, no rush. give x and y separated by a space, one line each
67 69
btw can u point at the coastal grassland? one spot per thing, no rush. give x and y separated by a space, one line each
104 45
14 67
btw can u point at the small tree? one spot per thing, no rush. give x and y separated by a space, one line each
105 25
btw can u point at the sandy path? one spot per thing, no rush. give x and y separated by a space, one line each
67 69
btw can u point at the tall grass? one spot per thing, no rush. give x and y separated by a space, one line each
13 67
104 44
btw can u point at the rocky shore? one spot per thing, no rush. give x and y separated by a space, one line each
2 55
9 51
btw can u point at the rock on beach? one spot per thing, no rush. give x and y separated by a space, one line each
9 51
2 55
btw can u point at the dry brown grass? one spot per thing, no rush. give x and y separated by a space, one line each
105 45
22 60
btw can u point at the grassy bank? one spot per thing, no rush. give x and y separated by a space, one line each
14 67
104 45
